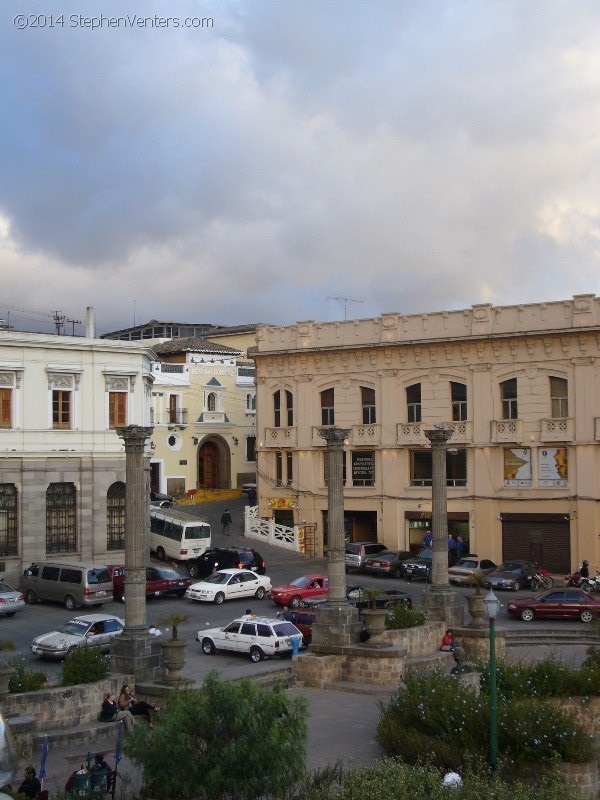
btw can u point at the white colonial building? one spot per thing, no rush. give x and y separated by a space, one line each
62 465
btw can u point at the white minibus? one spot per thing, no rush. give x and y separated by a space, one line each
175 534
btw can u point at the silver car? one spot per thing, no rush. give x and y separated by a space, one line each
469 566
11 600
95 630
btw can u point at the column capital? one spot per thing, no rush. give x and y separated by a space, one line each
334 436
439 436
134 436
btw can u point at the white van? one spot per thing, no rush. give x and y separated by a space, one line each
175 534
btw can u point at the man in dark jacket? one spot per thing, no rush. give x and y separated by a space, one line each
226 521
31 785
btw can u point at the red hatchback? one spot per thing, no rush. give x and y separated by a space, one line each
292 594
160 581
556 604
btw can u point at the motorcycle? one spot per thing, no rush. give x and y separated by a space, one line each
585 584
542 578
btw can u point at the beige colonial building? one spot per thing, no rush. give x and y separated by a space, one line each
519 386
62 465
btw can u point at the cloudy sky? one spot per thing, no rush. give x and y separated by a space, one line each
413 155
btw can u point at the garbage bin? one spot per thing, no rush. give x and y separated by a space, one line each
82 785
99 781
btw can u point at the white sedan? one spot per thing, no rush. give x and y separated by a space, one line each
228 584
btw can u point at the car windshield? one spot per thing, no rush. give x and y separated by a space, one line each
246 558
301 583
285 629
168 574
466 563
218 577
385 554
510 566
99 575
197 532
427 553
4 587
76 627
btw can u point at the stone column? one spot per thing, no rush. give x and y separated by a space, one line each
338 623
441 602
134 652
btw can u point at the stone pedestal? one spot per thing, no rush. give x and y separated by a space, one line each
443 604
137 655
476 642
335 628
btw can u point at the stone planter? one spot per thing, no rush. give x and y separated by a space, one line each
6 674
476 603
374 619
173 651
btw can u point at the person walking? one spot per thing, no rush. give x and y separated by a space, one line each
226 522
427 539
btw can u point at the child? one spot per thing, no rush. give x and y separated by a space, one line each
448 642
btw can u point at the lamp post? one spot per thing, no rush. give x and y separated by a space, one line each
492 605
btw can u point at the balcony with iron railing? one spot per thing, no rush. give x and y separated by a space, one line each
177 416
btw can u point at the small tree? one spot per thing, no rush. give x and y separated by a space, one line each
232 740
173 620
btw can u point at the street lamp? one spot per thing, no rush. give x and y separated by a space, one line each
492 606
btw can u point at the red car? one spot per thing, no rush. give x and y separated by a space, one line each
159 581
292 594
556 604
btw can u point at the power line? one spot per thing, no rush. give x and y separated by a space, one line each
343 301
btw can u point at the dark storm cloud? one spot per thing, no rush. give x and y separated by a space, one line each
410 155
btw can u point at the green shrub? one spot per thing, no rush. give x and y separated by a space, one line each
24 680
401 617
84 665
547 678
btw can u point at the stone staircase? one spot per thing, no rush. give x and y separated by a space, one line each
537 636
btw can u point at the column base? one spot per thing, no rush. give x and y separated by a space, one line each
136 655
443 604
336 627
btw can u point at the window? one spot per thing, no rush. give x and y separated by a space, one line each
277 409
173 418
250 403
413 402
61 520
61 409
289 404
5 408
508 393
117 409
326 469
279 468
559 398
327 409
250 448
368 405
459 401
8 519
289 408
211 402
115 516
289 465
363 468
421 468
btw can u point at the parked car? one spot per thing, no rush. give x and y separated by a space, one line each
159 581
260 637
417 566
303 619
388 562
360 597
229 584
468 566
292 594
225 558
357 554
161 500
11 600
556 604
95 630
511 575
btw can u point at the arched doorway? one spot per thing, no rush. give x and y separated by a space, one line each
214 464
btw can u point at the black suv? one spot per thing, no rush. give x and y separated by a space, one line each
226 558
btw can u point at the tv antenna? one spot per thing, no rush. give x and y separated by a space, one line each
75 322
59 321
343 301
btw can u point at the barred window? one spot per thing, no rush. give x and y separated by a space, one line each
115 516
8 519
61 518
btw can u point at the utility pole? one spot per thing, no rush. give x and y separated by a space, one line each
75 322
59 320
343 301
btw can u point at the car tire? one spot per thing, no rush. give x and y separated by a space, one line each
194 570
586 615
160 554
396 573
208 647
260 593
295 601
256 655
70 603
516 586
219 597
180 594
30 597
10 614
527 615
